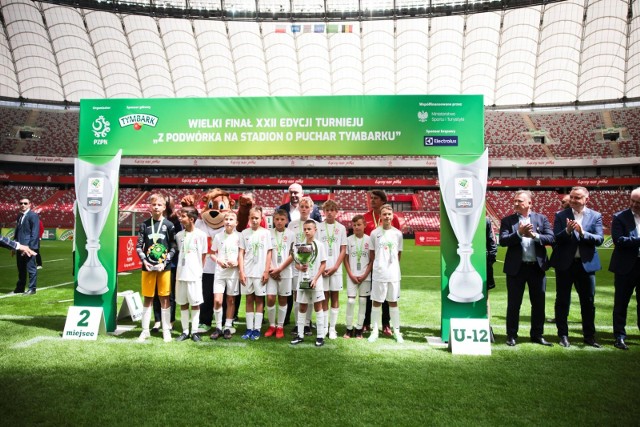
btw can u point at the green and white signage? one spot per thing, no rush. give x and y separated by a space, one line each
267 126
451 126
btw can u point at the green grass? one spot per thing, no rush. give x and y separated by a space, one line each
117 381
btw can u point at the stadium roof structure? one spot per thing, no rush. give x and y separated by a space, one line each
567 52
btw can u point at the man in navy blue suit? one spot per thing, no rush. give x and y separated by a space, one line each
27 233
295 194
578 232
625 263
525 234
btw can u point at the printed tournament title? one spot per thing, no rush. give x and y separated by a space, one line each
277 129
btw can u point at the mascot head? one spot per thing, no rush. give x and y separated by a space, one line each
216 203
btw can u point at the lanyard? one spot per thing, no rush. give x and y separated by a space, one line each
331 235
154 233
186 243
279 244
359 250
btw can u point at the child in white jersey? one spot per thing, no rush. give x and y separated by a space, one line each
192 244
280 274
314 294
334 237
358 265
254 263
225 248
386 249
305 206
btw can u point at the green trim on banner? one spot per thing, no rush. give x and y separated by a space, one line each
294 126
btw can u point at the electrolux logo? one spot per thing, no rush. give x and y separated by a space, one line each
440 141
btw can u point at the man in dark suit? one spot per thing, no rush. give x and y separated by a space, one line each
578 231
27 233
525 234
295 194
625 264
492 252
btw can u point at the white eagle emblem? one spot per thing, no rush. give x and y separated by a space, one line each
423 116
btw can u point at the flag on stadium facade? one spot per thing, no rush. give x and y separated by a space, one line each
332 28
306 29
318 28
295 28
347 28
281 29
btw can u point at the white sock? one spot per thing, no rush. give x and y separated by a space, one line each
282 312
333 318
394 314
165 315
195 319
146 318
184 320
308 315
376 318
362 308
218 316
351 306
296 311
320 324
301 321
257 321
228 324
326 322
250 321
271 315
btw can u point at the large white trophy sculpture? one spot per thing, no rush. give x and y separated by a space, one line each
95 188
463 188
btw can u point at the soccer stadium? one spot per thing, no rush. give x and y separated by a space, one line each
560 82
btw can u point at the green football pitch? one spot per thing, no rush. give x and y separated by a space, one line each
118 381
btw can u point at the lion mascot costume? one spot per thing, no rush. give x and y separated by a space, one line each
215 204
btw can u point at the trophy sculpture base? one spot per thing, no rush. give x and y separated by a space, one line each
304 285
457 298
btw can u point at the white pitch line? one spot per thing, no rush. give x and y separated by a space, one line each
38 290
33 341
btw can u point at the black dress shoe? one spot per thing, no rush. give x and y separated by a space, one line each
621 344
182 337
541 340
30 292
564 341
511 341
592 342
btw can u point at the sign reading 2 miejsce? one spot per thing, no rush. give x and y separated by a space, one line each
267 126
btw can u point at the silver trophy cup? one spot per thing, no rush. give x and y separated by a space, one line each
305 254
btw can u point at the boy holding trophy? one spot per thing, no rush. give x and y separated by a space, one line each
280 273
310 258
333 235
225 248
386 248
156 247
305 207
254 262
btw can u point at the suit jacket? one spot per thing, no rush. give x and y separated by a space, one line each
566 245
492 247
6 242
27 231
315 212
626 240
509 238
